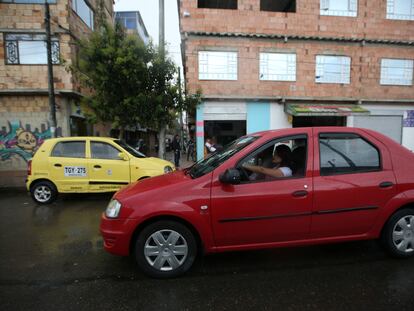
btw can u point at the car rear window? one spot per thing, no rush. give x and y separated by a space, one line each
69 149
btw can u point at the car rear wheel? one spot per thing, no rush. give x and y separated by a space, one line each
165 249
43 192
398 234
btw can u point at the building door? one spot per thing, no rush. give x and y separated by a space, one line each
224 131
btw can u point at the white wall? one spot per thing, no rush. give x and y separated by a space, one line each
278 117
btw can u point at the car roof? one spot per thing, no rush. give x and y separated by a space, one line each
74 138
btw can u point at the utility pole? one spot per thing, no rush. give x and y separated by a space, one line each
161 46
181 109
52 104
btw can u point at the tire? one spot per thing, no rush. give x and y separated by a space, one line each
43 192
155 254
398 234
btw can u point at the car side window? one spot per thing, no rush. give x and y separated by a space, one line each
345 153
293 164
69 149
100 150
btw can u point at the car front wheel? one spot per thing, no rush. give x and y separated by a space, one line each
43 192
165 249
398 234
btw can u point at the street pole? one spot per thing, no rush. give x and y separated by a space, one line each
181 109
161 44
52 104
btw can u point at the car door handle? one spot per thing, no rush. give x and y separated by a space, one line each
386 184
58 165
300 193
97 166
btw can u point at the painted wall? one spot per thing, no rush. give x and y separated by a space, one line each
278 118
258 117
200 131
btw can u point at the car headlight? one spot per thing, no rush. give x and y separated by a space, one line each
113 208
168 169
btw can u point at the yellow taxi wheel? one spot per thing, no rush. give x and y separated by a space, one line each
43 192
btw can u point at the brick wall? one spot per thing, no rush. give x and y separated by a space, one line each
369 23
365 69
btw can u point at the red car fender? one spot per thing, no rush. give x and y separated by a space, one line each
391 207
198 219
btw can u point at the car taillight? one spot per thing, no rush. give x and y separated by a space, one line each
29 167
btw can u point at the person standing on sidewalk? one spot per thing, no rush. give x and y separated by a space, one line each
190 149
176 147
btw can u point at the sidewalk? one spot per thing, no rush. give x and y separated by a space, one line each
183 159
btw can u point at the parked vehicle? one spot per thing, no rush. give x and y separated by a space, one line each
345 184
87 164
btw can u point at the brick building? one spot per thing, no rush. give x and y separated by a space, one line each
24 106
265 64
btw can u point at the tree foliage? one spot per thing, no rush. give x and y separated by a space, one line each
130 83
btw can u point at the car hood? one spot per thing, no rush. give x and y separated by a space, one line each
152 184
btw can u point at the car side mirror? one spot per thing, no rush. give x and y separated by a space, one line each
123 156
230 176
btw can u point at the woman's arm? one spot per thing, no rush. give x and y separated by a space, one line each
262 170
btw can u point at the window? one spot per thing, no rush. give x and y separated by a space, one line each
70 149
292 158
400 9
218 4
333 69
277 67
217 65
396 71
29 49
347 153
127 19
104 151
339 7
278 6
82 8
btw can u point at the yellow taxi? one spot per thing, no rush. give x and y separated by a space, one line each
87 164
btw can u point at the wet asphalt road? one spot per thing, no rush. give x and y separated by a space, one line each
52 259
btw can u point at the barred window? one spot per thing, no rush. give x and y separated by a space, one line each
278 66
396 71
29 49
217 65
333 69
400 9
339 7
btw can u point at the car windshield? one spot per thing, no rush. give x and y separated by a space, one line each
128 148
216 159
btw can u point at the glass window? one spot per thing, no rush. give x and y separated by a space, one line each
217 65
339 7
30 49
218 4
277 67
101 150
347 153
400 9
208 164
333 69
396 71
84 11
69 149
130 149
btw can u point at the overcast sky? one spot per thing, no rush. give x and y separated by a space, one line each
149 14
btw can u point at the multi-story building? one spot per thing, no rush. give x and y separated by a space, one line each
265 64
24 105
133 23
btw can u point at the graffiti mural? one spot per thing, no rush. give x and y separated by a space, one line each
22 141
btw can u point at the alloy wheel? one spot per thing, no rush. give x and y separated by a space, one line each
42 194
403 234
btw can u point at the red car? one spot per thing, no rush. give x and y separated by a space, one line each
289 187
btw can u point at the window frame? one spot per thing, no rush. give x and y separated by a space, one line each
287 65
330 12
390 6
387 81
342 134
217 78
74 7
103 142
55 46
268 144
318 69
203 7
65 142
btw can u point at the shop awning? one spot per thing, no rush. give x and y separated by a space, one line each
324 110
